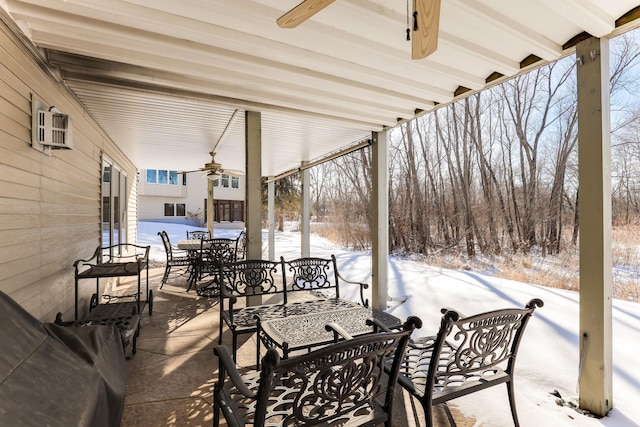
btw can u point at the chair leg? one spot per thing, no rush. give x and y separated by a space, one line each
512 403
428 413
216 409
165 276
258 351
235 345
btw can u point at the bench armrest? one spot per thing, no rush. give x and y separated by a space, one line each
377 324
363 286
338 331
224 293
226 364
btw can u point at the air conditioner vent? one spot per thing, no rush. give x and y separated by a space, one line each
51 129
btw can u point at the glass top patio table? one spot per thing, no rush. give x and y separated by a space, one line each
306 331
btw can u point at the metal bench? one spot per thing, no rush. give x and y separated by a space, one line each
470 353
330 386
262 278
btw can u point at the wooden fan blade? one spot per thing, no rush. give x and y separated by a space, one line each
302 12
232 172
195 170
424 33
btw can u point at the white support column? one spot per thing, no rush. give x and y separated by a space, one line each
305 222
253 191
380 218
271 202
594 147
210 213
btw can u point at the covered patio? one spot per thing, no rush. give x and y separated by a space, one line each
160 84
170 380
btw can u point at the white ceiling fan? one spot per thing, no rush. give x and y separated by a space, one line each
425 18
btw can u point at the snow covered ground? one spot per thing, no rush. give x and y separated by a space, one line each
548 357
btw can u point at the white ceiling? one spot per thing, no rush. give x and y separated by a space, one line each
163 77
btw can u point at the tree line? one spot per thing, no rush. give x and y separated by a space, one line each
492 173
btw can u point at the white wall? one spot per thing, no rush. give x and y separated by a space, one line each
152 197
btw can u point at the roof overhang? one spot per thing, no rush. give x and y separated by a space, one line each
163 78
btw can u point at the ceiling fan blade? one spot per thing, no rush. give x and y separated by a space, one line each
232 172
302 12
424 33
195 170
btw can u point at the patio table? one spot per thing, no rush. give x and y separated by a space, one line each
193 246
305 331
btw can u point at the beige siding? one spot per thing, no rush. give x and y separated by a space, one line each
49 205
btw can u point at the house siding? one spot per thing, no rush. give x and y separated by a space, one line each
49 205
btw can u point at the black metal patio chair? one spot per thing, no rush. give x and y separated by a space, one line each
342 383
212 253
175 257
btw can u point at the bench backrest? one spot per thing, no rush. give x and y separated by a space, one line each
251 277
303 274
311 274
334 384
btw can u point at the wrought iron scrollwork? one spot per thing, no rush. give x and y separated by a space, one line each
310 273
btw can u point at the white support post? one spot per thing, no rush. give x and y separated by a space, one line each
271 203
210 213
380 218
253 189
305 221
594 162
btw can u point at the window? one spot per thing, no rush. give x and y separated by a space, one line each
114 204
227 181
155 176
152 176
228 210
173 177
175 209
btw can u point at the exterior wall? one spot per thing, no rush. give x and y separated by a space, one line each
50 206
152 198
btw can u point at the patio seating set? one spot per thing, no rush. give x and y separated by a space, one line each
199 254
325 356
329 361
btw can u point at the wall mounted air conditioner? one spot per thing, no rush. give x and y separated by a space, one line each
51 129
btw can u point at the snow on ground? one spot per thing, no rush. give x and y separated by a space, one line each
548 357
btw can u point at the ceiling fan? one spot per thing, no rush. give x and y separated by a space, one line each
214 169
423 31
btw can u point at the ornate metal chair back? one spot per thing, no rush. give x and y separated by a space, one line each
311 274
252 277
167 244
338 383
197 235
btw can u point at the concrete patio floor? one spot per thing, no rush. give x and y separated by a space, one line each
171 378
